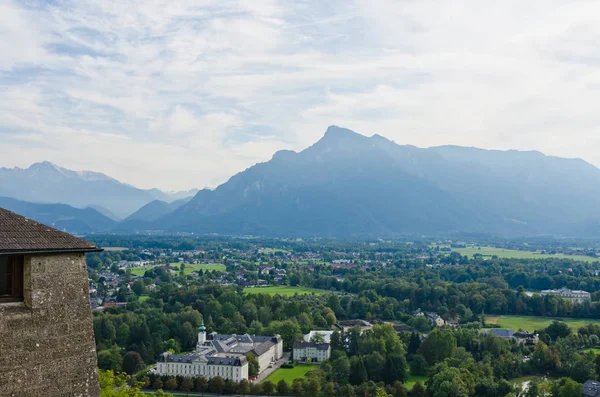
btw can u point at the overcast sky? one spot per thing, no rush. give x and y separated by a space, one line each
181 94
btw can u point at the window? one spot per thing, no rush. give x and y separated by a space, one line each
11 279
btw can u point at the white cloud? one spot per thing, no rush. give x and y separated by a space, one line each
185 94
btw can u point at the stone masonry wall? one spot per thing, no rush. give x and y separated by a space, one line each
47 345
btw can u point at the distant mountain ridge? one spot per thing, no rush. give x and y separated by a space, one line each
345 185
348 184
46 182
61 216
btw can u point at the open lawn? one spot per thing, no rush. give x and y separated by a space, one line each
506 253
289 374
530 324
594 350
414 379
284 291
143 298
189 268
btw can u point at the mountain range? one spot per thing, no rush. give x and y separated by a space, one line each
48 183
348 185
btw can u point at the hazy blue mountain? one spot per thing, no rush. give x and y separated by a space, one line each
61 216
107 213
349 184
156 209
48 183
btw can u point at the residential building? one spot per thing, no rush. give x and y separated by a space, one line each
526 338
47 343
311 351
435 319
222 355
575 296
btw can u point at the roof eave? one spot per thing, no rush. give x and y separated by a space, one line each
51 251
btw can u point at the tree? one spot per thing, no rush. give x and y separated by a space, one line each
111 359
395 369
337 341
268 387
570 389
132 363
438 345
358 372
380 392
317 338
216 385
187 385
171 384
313 388
341 369
418 390
399 390
418 366
243 387
253 366
157 384
452 382
282 388
138 287
329 389
112 385
297 387
201 384
558 329
414 343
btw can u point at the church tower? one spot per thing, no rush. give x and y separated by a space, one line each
201 336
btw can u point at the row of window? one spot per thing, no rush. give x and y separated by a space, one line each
212 371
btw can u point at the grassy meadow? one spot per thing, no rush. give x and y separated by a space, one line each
506 253
289 374
189 268
530 324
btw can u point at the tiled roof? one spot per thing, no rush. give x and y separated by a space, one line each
304 345
19 234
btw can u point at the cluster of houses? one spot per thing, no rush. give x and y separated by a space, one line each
434 318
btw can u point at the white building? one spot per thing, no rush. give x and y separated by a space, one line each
325 334
311 351
222 355
574 296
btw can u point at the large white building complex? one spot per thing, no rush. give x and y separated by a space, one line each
574 296
222 355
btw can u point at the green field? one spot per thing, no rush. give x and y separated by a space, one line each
289 374
143 298
284 291
189 268
414 379
594 350
530 324
506 253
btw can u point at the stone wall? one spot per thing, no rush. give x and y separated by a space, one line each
47 343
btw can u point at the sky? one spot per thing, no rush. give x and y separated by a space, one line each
184 94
